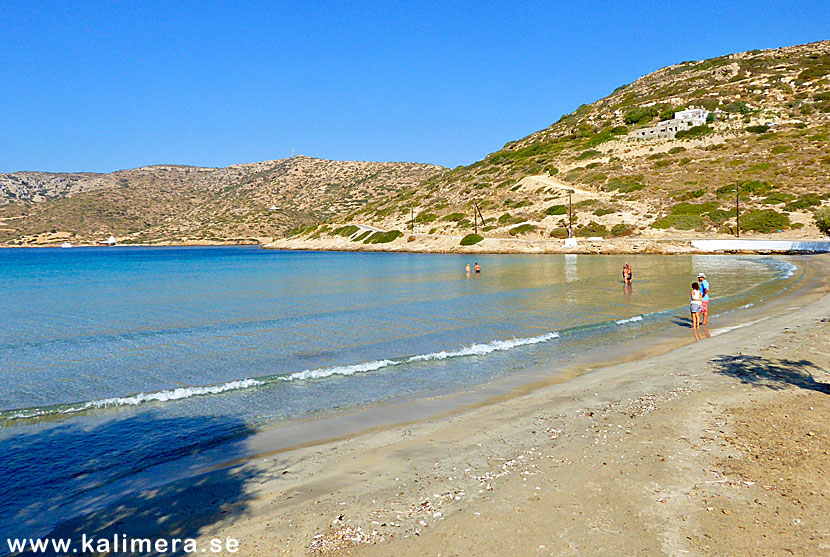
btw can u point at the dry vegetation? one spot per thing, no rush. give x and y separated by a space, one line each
769 138
186 204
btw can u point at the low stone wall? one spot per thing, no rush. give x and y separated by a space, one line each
774 246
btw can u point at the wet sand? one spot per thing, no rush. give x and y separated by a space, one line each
718 446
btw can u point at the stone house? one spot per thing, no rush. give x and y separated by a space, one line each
667 129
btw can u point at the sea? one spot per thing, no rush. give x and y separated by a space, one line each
116 360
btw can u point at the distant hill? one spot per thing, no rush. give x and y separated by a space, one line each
768 134
174 203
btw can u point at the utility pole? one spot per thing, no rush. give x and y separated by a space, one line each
475 204
570 215
475 219
738 209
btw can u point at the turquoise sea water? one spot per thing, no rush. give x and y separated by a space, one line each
114 360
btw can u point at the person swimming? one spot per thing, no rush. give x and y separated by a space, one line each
478 268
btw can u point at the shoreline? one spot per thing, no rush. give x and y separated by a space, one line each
332 470
630 245
442 244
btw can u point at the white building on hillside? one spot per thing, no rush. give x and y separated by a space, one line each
667 129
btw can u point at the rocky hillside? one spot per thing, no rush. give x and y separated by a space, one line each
187 204
768 136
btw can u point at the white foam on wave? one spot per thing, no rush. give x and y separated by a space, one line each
630 320
305 375
324 372
171 394
482 349
139 398
790 270
472 350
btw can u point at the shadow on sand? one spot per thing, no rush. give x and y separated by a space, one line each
87 478
771 373
682 321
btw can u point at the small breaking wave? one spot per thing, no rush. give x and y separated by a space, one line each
181 393
630 320
483 349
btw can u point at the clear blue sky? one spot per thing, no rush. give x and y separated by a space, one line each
100 86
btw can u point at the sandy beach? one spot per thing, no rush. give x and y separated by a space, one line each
679 447
439 243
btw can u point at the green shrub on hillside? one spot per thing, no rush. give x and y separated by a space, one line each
777 198
589 154
694 208
556 210
764 221
757 129
748 188
344 230
453 217
425 218
605 135
640 115
622 230
679 222
694 132
689 194
822 218
362 236
592 229
737 107
507 219
668 113
559 232
756 187
778 149
383 237
817 68
521 229
605 211
804 202
675 150
471 239
624 184
719 216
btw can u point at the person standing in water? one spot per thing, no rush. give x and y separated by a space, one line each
696 305
467 268
478 268
626 273
704 293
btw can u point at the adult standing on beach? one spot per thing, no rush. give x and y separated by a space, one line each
704 292
696 305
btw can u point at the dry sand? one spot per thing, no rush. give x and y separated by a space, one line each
719 446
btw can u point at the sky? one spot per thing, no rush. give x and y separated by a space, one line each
102 86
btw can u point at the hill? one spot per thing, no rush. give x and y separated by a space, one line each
766 133
183 204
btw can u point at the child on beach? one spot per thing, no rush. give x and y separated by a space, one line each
704 293
696 305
